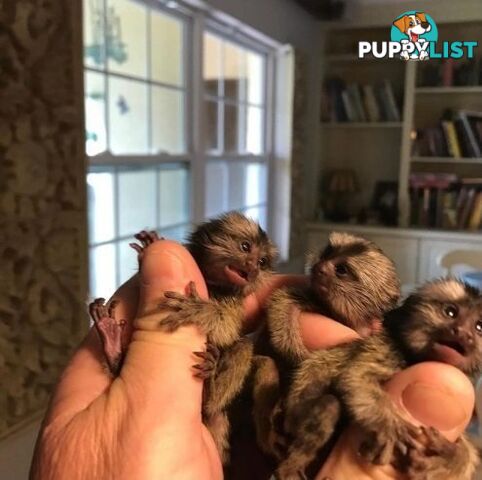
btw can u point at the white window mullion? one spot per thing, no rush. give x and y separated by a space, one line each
198 165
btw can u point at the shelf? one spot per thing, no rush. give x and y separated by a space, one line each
340 125
465 160
438 90
407 232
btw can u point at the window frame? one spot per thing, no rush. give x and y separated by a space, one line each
197 22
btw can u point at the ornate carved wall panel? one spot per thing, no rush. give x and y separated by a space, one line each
297 238
42 201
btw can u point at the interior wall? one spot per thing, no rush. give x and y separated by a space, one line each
43 243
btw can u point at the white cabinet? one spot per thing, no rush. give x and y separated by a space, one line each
403 252
433 253
419 255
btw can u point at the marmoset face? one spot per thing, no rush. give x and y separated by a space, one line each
355 279
443 321
233 252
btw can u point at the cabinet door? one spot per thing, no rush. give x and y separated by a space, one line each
439 258
403 252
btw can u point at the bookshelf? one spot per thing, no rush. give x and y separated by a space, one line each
448 90
350 125
383 151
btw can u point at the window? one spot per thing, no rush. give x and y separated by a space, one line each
235 134
143 93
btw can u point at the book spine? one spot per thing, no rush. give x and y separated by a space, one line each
349 109
467 207
371 106
392 106
451 139
470 135
476 214
448 72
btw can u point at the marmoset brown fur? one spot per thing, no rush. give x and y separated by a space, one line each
235 257
441 321
353 282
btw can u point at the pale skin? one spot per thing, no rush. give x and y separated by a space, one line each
146 423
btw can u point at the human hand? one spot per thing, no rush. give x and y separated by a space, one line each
145 423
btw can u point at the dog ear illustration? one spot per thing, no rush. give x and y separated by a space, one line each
421 16
402 23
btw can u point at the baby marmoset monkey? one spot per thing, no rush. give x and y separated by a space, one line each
353 282
235 257
441 321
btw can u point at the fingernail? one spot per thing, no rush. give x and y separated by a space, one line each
437 407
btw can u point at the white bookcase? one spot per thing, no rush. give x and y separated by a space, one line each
382 150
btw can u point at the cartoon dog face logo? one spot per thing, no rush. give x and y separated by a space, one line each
413 26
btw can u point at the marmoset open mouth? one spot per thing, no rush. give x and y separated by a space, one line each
451 351
454 345
236 275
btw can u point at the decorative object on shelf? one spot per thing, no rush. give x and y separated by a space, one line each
340 188
385 202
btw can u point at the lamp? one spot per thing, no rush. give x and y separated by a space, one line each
340 187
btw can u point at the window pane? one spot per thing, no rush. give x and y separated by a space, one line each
137 201
235 72
100 191
255 131
211 126
178 233
234 128
166 48
167 121
212 65
128 265
216 188
127 116
95 135
126 37
256 184
174 196
258 214
103 271
94 48
255 68
234 186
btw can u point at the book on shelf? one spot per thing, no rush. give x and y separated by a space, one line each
441 200
451 73
458 135
358 103
451 139
371 104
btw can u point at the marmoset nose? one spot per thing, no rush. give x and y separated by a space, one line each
321 269
463 332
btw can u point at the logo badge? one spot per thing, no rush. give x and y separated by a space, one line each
417 29
414 36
